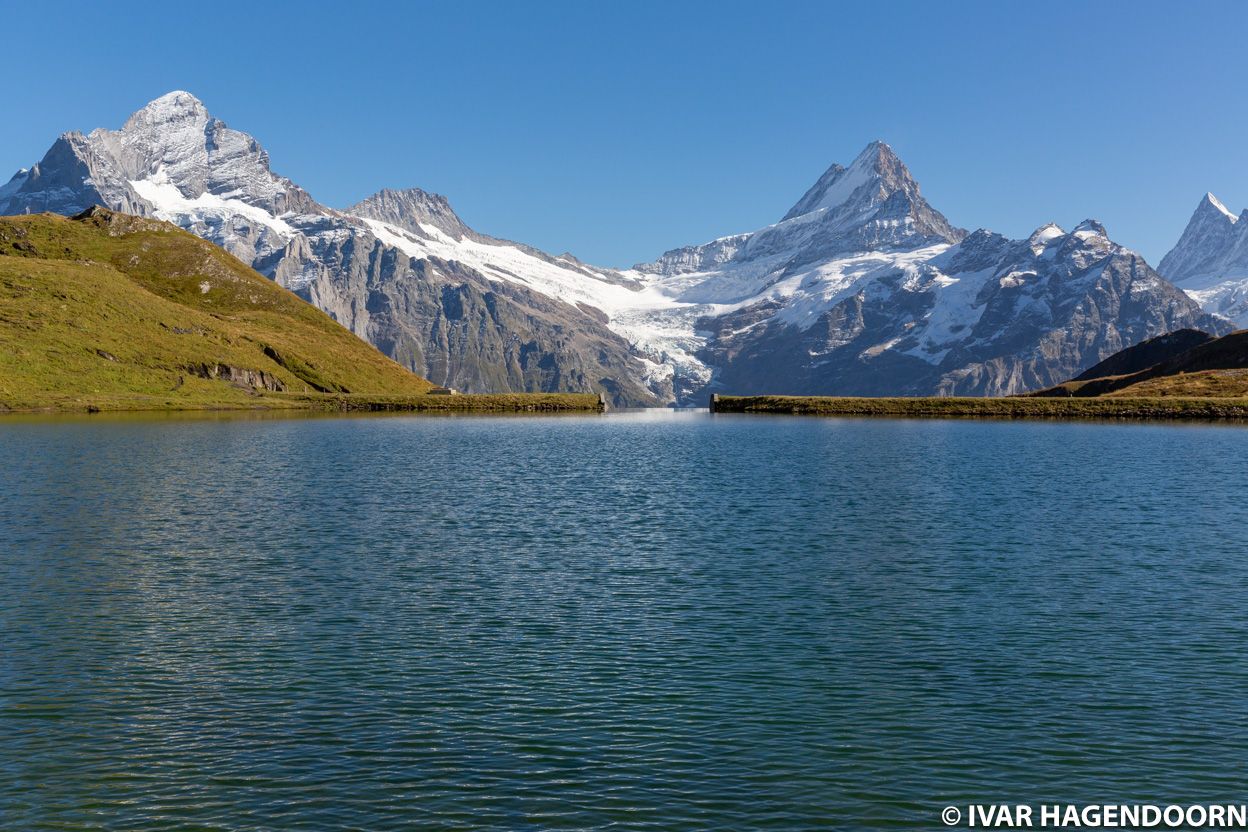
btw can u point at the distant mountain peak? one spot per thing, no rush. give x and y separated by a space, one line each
872 177
1044 236
1091 226
1210 203
161 113
1210 260
873 203
175 100
170 159
412 209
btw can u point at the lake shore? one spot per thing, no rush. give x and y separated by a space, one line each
354 403
1162 408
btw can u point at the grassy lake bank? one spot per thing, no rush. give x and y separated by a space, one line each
1000 408
236 400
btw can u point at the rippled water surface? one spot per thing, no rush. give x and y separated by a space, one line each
640 621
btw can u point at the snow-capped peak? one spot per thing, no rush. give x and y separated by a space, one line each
170 108
872 205
174 146
1046 232
1090 228
175 99
1210 260
870 179
1043 236
1209 201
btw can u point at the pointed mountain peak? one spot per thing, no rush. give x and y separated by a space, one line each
1210 205
1207 243
873 203
879 154
871 178
412 209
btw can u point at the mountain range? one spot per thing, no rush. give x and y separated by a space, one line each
862 287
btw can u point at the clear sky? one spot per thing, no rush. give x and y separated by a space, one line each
619 130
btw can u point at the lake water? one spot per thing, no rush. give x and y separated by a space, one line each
639 621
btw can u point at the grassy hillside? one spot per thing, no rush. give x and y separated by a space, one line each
1213 368
111 311
1147 354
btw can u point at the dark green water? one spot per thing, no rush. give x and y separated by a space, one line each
647 621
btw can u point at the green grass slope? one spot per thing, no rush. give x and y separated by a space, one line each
1147 354
111 311
1213 368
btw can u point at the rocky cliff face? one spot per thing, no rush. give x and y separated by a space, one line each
462 329
862 287
1210 261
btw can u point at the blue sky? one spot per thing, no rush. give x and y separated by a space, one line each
619 130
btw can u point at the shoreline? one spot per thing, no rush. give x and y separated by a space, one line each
1159 408
326 403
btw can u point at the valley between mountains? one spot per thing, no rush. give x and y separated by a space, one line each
862 288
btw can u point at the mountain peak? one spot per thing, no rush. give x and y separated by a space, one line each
871 178
873 203
1091 227
412 195
175 106
880 153
177 98
411 209
1210 244
1044 235
1209 204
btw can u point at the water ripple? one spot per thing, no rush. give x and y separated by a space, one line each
637 622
